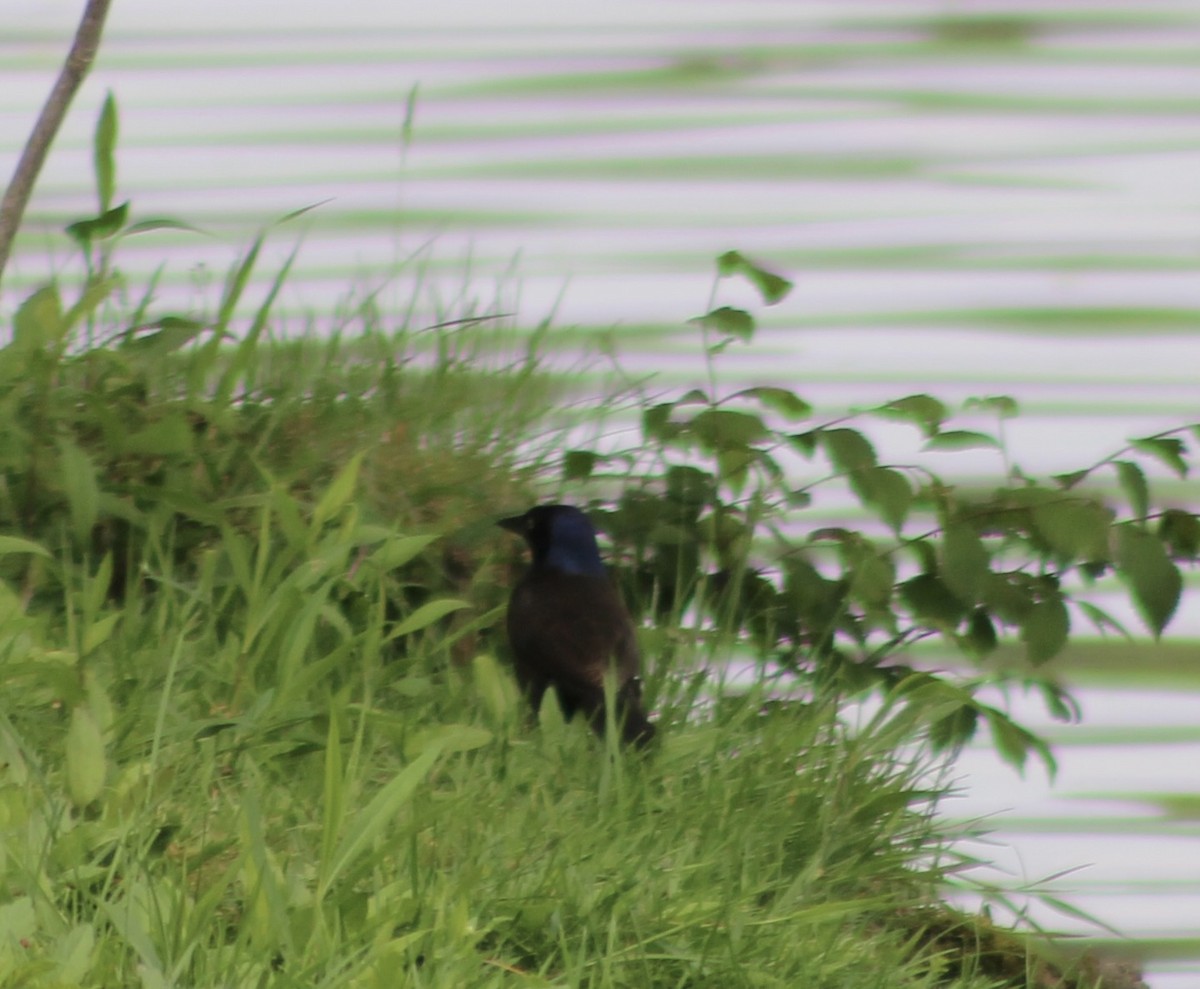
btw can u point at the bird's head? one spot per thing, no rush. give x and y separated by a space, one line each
560 538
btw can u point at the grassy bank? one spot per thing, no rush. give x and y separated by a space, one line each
257 728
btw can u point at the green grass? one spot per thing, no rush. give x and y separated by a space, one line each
254 733
245 788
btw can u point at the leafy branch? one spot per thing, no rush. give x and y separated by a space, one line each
711 531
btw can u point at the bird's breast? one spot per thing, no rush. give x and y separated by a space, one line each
573 623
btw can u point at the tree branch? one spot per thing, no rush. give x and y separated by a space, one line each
74 70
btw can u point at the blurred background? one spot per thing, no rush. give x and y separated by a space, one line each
974 198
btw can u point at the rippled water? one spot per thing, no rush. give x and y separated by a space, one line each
1004 205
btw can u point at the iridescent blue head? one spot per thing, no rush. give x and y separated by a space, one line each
560 537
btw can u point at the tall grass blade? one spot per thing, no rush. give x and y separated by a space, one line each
377 816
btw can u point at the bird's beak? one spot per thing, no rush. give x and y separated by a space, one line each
518 524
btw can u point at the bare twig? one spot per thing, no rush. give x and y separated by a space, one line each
75 68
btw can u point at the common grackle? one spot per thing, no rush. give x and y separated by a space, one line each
567 625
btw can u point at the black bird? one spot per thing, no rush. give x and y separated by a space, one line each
567 624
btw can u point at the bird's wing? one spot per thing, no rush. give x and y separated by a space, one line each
569 627
569 630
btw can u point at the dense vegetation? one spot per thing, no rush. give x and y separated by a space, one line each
255 730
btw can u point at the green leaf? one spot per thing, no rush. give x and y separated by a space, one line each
77 476
85 757
873 579
722 430
734 466
923 410
96 590
1167 449
1014 743
101 227
412 686
1180 531
888 490
930 599
288 515
295 214
99 632
1001 405
847 449
20 923
449 739
772 287
657 424
805 443
160 338
813 595
1009 597
953 730
339 492
1102 619
1143 563
426 615
923 553
1045 630
551 720
334 802
1059 702
833 534
410 116
1070 480
965 562
729 263
72 954
579 464
15 544
160 223
853 456
961 439
494 686
235 284
370 822
981 636
248 352
728 322
170 436
95 292
39 320
103 145
780 400
1133 481
398 550
1074 529
931 696
690 486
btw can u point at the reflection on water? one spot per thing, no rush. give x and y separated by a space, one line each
1130 863
946 194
